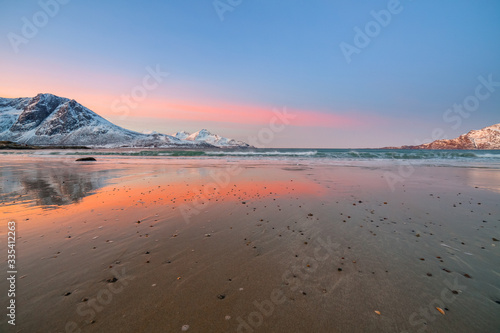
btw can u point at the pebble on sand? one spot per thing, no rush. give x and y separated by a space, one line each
184 328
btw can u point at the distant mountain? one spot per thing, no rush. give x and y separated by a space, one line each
213 139
182 135
486 138
47 119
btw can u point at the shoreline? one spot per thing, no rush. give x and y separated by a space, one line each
218 246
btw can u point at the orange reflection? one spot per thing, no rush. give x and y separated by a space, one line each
164 190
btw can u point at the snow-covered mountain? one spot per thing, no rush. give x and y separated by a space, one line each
213 139
47 119
182 135
486 138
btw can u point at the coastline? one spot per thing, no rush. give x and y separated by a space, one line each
201 254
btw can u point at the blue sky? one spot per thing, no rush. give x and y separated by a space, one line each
263 55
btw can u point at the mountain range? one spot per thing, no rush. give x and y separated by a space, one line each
48 120
486 138
213 139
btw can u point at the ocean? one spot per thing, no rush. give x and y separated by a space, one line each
454 158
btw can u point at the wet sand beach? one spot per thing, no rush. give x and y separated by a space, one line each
172 245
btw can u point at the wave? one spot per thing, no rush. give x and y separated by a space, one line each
261 153
417 156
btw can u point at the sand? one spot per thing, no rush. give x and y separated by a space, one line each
163 245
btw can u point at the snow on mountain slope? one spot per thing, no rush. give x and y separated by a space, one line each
51 120
214 139
10 110
486 138
182 135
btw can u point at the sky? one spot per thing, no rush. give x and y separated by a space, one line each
294 73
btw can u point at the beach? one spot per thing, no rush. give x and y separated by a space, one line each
166 244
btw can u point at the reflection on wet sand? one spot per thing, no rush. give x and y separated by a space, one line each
201 243
49 186
488 179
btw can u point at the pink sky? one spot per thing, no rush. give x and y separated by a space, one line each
160 111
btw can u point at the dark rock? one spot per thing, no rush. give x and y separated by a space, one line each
86 159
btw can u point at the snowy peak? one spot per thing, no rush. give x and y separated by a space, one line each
47 119
182 135
39 108
486 138
201 135
205 136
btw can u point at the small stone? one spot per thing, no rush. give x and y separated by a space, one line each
184 328
67 294
221 296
